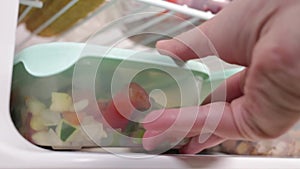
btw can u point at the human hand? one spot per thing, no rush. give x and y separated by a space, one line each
205 5
262 102
208 5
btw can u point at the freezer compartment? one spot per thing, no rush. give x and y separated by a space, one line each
76 21
101 98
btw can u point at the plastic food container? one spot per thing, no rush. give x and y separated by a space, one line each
70 95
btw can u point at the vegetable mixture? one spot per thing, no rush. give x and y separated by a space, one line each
64 124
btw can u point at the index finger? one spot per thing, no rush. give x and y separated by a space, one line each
231 35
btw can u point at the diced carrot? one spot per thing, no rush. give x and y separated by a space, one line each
71 117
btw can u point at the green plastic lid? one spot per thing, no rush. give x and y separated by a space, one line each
53 58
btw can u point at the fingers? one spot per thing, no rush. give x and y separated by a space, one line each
177 124
216 6
189 45
149 143
194 146
162 140
231 35
201 41
223 120
164 119
268 103
272 91
208 5
229 90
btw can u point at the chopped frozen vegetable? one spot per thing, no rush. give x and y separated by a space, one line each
64 124
34 106
50 118
41 138
80 105
37 123
94 130
72 117
89 123
53 138
287 145
61 102
138 135
65 130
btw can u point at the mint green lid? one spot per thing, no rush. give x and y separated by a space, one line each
53 58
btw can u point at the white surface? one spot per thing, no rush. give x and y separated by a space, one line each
16 152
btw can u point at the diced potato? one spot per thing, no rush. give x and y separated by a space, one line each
93 129
282 148
88 120
61 102
243 148
37 123
80 138
80 105
50 118
34 106
41 138
54 137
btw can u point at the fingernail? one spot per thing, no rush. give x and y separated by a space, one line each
148 142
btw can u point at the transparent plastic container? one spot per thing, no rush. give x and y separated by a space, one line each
70 95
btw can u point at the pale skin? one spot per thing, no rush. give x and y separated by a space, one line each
208 5
263 101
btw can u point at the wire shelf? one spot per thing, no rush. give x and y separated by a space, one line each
100 21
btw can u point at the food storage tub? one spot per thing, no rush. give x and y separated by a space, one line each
71 95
